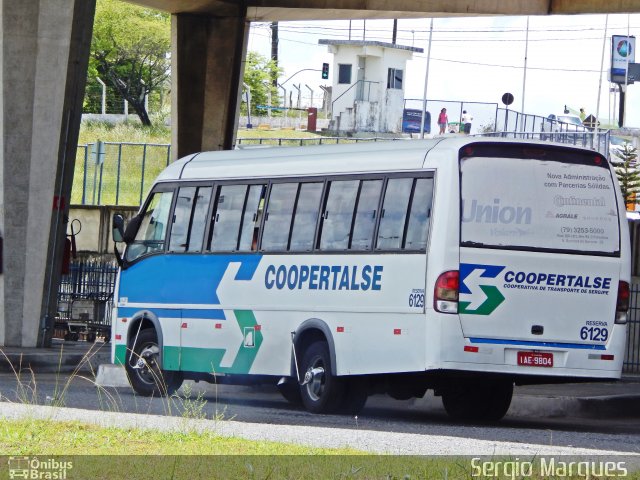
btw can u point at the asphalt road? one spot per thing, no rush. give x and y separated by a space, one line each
264 405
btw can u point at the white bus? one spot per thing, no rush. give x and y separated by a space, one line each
460 265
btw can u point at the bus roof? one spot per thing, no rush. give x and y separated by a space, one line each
274 161
287 161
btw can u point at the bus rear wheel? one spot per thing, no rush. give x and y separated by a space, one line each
321 391
145 371
478 401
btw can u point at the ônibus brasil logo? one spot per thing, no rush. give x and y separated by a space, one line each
471 280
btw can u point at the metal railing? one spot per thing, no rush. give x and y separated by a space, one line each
301 142
543 128
117 173
632 354
85 300
598 142
360 95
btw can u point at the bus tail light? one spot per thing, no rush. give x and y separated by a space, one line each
445 295
622 306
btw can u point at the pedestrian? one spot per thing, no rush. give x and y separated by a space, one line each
443 121
466 122
583 115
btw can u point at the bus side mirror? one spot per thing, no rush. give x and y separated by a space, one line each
132 228
117 228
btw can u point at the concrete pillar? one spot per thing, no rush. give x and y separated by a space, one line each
44 50
206 73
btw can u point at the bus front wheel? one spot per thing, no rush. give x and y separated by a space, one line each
321 391
145 371
478 401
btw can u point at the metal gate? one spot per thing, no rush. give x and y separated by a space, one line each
85 300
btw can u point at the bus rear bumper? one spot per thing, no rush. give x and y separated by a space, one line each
531 359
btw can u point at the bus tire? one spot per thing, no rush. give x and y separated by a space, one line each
321 391
144 370
355 396
478 401
291 392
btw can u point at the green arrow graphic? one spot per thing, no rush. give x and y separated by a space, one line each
246 355
493 300
208 360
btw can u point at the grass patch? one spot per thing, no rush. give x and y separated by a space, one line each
134 155
128 167
275 133
45 437
88 452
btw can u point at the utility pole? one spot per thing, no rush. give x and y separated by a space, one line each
395 31
274 51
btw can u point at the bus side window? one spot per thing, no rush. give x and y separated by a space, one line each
198 219
419 215
305 217
251 217
277 222
153 227
227 217
366 214
181 217
338 215
394 213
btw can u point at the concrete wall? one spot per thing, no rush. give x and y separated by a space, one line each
95 227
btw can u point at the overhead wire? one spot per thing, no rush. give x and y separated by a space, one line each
336 32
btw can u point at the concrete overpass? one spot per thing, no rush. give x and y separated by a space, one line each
44 49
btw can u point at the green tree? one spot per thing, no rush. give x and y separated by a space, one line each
258 74
625 164
130 51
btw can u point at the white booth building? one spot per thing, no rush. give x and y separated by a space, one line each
368 84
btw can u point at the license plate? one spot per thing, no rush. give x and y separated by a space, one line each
535 359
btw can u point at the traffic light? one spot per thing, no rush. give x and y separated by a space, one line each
325 71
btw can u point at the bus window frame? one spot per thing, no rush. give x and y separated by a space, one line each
158 188
174 186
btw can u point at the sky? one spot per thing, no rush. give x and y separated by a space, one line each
478 58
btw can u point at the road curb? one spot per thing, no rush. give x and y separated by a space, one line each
110 375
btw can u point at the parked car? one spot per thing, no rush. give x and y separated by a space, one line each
566 123
411 119
565 128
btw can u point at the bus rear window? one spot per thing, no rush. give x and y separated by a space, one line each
556 202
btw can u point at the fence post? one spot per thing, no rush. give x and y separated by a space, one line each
100 184
84 176
144 158
95 179
118 177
